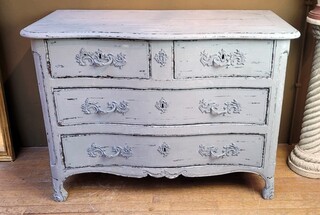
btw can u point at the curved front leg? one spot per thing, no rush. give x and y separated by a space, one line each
59 193
268 190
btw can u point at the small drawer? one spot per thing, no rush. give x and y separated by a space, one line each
79 106
98 58
90 150
223 58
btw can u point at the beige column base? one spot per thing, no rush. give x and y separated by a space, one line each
304 163
305 157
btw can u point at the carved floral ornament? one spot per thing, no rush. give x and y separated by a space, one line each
222 59
99 59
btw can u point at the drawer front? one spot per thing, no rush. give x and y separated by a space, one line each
98 58
160 107
223 58
152 151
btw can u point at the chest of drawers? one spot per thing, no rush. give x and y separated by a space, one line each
161 93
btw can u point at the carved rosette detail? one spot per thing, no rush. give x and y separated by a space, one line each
232 107
162 105
161 58
164 149
98 59
116 151
94 107
230 150
222 59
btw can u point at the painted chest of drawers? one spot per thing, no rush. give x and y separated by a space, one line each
161 93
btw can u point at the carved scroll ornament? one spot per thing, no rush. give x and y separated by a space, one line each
94 107
99 59
116 151
212 151
165 173
232 107
222 59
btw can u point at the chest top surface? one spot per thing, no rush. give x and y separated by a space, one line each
161 25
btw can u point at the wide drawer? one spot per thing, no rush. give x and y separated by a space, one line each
98 58
223 58
154 151
80 106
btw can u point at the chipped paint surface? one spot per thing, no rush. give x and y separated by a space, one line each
183 25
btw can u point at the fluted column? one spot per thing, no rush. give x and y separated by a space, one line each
305 157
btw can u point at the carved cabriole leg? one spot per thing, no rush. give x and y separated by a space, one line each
59 193
268 190
305 157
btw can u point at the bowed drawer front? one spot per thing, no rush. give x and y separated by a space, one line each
161 93
161 107
93 150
